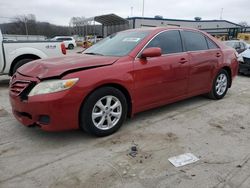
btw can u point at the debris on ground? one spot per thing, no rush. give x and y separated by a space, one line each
182 160
133 150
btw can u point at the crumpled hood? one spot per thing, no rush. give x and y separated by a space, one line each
53 67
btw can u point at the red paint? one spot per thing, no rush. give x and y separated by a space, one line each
150 82
63 48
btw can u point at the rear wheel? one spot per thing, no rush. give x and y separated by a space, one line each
71 46
220 85
103 112
19 64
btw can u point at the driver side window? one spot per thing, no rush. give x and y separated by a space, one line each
168 41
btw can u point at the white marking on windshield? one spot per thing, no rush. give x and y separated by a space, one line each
131 39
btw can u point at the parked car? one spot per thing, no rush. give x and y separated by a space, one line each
125 73
244 62
239 45
243 50
14 54
68 41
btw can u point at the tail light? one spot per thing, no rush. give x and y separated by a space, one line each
63 48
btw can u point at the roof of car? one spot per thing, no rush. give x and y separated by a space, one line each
231 41
162 28
63 37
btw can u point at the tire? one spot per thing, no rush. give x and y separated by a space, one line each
99 118
19 64
70 46
220 85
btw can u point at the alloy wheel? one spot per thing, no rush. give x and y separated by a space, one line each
221 84
106 112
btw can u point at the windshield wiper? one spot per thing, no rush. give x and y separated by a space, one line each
92 53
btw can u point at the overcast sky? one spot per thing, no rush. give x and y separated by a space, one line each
60 11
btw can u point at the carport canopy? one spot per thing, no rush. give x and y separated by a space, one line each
110 19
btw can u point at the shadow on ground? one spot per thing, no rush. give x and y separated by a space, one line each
4 82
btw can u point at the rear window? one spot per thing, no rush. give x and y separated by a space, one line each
67 39
63 39
194 41
211 44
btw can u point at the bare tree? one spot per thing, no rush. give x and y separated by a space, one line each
243 23
27 24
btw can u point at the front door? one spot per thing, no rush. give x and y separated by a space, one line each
161 79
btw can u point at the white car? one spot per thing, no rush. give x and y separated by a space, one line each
239 45
244 62
68 41
14 54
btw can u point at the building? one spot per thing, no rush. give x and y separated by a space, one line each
214 27
111 23
103 25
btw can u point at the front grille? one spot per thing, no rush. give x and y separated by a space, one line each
246 60
18 86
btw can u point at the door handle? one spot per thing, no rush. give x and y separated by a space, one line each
218 54
182 60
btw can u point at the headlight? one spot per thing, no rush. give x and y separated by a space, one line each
52 86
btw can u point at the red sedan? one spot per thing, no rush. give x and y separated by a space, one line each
126 73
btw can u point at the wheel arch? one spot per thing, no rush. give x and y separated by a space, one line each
121 88
17 59
70 44
229 71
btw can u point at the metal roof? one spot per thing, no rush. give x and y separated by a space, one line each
166 19
110 19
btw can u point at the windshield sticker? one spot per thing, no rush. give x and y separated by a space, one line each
131 39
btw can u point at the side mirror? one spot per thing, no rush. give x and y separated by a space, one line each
151 52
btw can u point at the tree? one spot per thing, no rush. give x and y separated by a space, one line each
27 24
243 23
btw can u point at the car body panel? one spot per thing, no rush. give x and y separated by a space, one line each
57 66
202 69
162 78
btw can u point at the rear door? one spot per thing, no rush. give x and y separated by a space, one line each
204 56
160 79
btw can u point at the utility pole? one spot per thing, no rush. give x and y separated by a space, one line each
26 28
143 6
132 11
221 12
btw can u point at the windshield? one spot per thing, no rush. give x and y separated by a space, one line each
231 44
118 44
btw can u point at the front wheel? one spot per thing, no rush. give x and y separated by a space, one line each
19 64
103 112
220 85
